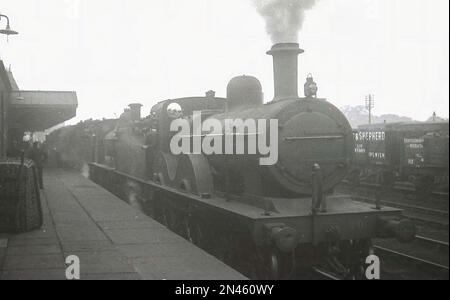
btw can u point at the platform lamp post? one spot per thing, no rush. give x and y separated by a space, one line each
7 30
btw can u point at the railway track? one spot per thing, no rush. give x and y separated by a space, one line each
419 209
324 275
436 215
423 215
425 258
404 266
433 244
404 189
399 266
410 189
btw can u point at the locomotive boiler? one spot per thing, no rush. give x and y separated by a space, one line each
310 132
266 220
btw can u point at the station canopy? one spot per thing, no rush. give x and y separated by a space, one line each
36 111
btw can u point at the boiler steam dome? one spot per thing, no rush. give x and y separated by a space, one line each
244 91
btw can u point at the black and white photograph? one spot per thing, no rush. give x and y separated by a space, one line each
224 147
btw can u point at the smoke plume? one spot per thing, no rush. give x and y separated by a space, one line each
284 18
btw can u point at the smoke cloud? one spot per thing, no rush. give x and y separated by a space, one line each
284 18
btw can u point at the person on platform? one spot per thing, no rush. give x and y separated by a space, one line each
38 156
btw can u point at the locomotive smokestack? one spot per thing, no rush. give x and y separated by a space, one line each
285 66
135 109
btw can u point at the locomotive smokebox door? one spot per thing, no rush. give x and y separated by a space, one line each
310 87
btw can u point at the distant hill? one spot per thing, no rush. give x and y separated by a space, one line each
358 115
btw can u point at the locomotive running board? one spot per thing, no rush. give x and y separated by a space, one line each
358 219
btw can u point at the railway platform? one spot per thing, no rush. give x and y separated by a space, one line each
111 239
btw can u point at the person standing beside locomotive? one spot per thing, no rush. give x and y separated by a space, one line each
38 156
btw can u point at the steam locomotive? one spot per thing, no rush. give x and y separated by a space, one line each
268 221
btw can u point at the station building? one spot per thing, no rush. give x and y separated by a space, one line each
30 111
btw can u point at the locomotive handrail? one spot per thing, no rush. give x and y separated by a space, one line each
221 134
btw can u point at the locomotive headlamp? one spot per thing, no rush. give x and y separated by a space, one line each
7 30
310 87
174 111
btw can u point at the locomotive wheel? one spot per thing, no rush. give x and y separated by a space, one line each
267 267
193 175
273 267
164 169
347 259
356 252
264 266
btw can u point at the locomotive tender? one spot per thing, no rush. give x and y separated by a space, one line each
266 221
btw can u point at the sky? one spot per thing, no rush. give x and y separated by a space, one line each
116 52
